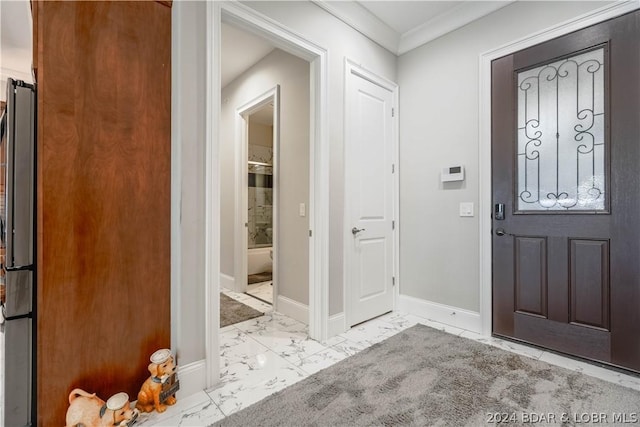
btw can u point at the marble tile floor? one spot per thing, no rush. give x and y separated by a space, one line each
248 300
264 355
262 290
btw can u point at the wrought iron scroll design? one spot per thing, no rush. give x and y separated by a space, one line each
561 135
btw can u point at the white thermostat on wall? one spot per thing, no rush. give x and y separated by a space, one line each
452 173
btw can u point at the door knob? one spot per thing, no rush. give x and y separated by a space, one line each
500 232
355 230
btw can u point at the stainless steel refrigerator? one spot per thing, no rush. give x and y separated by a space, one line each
17 252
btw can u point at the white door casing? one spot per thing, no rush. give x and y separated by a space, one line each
242 187
369 194
247 18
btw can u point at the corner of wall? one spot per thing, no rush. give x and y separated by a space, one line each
448 315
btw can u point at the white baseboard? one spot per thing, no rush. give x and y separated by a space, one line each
336 325
192 378
228 282
453 316
293 309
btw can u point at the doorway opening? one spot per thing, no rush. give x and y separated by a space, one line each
280 36
260 142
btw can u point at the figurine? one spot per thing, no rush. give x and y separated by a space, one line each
86 409
160 388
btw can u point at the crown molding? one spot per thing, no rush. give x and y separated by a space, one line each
366 23
446 22
363 21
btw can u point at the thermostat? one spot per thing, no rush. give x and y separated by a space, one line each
452 173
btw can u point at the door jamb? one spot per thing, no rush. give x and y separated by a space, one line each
351 67
242 191
291 42
485 202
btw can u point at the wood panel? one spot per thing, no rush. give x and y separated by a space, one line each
590 343
582 276
589 283
103 197
530 259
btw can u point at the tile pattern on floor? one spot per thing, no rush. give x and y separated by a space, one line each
264 355
262 290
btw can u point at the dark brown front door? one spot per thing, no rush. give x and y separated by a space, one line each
566 175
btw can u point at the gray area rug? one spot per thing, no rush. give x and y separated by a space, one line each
425 377
232 311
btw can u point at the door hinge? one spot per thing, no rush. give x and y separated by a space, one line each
393 112
393 168
393 225
310 233
393 281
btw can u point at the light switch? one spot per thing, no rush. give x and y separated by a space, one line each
302 210
466 209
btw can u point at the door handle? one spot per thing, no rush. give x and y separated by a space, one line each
500 232
19 268
355 230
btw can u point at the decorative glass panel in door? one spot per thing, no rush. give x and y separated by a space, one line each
562 157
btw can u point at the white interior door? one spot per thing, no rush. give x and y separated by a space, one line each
369 198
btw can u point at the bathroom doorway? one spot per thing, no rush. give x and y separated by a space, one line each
258 131
260 137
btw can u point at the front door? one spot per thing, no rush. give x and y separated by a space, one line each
369 177
566 193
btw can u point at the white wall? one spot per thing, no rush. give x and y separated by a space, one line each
341 41
188 135
292 74
439 251
260 134
16 43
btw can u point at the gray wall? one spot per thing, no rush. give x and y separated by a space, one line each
188 132
342 41
438 126
188 135
439 252
292 74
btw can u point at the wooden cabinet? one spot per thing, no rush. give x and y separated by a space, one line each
104 171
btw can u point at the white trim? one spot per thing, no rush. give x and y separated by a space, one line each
212 194
287 40
282 37
337 325
448 315
227 281
484 206
176 180
446 22
351 68
362 20
241 185
192 378
368 24
293 309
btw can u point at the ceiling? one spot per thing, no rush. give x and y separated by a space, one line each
403 16
263 116
399 26
240 50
